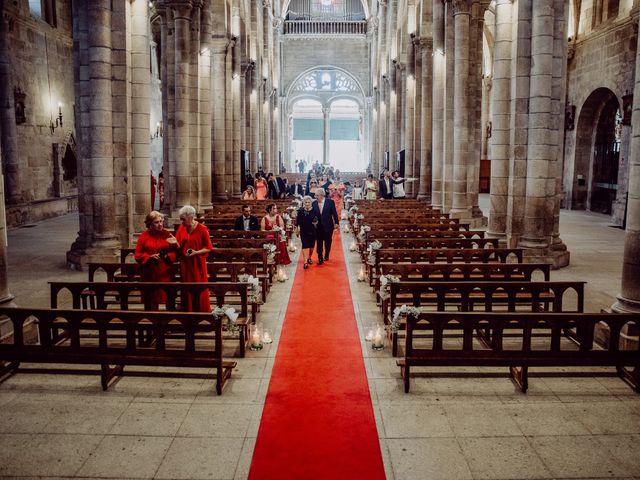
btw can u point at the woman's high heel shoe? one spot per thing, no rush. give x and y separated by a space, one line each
306 265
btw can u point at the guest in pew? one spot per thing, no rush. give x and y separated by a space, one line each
329 221
246 221
156 251
195 244
248 194
269 222
307 221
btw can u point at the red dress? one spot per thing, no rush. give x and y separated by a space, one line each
194 268
149 243
281 243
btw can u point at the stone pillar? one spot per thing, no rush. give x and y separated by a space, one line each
500 119
394 84
194 103
218 160
449 101
205 84
326 113
381 72
629 296
140 113
438 99
182 37
426 117
540 183
461 135
8 132
6 298
409 118
168 107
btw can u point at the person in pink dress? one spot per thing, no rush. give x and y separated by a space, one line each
268 222
260 185
195 244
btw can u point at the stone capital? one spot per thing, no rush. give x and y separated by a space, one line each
461 7
277 23
266 4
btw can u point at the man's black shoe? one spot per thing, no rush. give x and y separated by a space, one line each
320 261
326 259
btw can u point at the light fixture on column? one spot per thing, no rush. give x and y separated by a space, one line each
58 123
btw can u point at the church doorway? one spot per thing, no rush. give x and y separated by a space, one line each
597 159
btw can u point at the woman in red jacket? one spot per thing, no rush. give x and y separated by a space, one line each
155 252
195 244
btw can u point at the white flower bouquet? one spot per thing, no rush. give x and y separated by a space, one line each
373 246
398 312
385 281
271 252
255 290
229 313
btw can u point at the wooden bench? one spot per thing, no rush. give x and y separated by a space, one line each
132 295
519 341
489 296
108 338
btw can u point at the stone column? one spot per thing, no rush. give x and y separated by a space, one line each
204 167
629 296
500 119
236 91
6 298
438 99
195 146
461 135
449 101
426 117
8 132
540 183
409 118
164 78
394 83
382 125
326 112
182 37
140 112
218 79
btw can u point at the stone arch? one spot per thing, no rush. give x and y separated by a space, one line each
589 118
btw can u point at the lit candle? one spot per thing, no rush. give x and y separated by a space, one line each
59 108
266 338
377 340
255 339
361 274
369 336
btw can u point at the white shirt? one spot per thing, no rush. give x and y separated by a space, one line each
321 206
398 189
246 223
357 193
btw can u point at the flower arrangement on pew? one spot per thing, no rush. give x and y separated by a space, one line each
398 313
362 236
373 246
287 220
353 247
255 290
358 218
385 282
271 252
229 313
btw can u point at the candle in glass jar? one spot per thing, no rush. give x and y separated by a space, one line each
266 338
255 338
377 340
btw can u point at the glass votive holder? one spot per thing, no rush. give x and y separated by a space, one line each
255 339
266 336
377 343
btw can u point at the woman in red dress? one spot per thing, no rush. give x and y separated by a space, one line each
195 244
271 220
155 252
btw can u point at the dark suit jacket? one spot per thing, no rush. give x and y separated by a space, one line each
272 189
329 216
383 189
253 223
296 189
282 186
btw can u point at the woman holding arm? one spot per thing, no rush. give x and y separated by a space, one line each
307 221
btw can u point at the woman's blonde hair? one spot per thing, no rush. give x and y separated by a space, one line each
152 216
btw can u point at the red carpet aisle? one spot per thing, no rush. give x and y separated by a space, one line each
318 420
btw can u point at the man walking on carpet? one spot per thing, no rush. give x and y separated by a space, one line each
329 221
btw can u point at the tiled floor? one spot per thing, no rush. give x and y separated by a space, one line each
467 427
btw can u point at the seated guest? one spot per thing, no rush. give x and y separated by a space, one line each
249 193
246 221
296 189
156 251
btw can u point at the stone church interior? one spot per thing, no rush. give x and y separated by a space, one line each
467 173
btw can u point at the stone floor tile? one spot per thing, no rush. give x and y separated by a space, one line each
153 419
86 415
236 390
625 449
427 458
45 454
161 389
576 457
244 463
415 421
228 421
26 416
386 460
606 417
488 420
552 418
201 458
120 456
502 458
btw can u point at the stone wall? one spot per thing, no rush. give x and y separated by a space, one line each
351 55
42 61
603 61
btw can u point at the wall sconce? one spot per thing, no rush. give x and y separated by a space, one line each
58 119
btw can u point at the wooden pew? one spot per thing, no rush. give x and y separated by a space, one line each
524 346
108 338
467 296
131 295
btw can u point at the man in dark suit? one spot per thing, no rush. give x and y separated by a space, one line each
329 220
386 185
274 188
296 189
282 186
246 221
